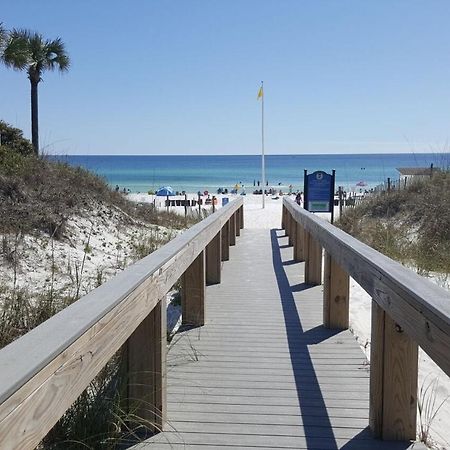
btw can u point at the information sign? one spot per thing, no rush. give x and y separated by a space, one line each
319 191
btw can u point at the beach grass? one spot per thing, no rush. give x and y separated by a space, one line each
411 225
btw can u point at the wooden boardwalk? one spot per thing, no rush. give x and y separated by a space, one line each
263 372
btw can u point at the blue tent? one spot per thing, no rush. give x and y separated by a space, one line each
165 191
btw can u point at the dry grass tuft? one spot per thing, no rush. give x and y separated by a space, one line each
411 225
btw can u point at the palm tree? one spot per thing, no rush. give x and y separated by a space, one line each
26 50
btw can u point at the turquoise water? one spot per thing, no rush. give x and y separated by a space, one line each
194 173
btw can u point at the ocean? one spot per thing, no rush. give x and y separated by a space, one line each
207 172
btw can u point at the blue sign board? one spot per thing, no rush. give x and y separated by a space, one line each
319 191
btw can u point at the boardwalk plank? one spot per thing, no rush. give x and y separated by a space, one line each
273 410
263 372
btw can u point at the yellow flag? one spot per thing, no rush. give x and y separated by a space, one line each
260 93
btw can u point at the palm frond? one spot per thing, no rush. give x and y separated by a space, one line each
3 36
25 49
16 53
37 48
56 55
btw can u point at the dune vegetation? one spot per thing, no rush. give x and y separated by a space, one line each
411 225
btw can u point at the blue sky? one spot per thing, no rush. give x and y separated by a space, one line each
181 77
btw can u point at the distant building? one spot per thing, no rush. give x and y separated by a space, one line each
409 174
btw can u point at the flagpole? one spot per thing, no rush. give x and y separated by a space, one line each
263 168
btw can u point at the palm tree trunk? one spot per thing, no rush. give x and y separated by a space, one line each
34 116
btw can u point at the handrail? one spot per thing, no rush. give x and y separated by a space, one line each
44 371
407 310
418 305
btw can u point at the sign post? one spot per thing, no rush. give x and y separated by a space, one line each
319 192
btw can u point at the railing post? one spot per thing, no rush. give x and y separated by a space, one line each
241 216
237 218
299 245
313 260
226 241
146 366
214 259
292 229
393 379
232 227
283 217
335 295
193 292
287 225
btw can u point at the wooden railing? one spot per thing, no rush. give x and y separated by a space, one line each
43 372
407 311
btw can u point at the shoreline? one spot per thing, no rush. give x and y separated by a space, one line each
141 173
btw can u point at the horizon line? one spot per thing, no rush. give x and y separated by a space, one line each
250 154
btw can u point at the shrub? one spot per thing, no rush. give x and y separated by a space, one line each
13 139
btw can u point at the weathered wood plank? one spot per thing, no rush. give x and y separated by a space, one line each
214 259
313 260
393 379
327 442
274 410
335 295
257 429
146 357
193 293
363 445
292 231
267 419
299 245
237 393
225 241
232 228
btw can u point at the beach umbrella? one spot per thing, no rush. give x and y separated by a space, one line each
165 191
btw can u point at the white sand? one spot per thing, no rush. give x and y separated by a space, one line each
255 216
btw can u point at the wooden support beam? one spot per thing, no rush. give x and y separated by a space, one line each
283 217
214 259
241 216
335 295
299 245
313 260
292 229
237 218
146 370
287 223
226 241
393 379
232 227
193 293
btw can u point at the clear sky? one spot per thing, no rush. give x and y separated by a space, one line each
181 76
